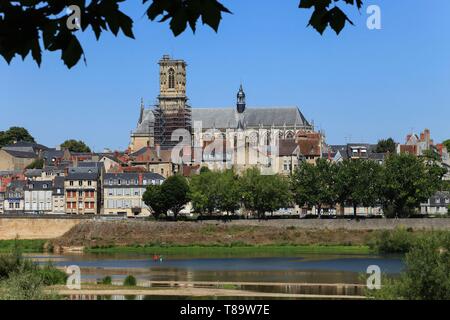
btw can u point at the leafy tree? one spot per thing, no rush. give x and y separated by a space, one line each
386 146
407 182
264 193
427 272
155 199
358 183
35 25
14 134
75 146
202 192
314 185
36 164
175 190
211 191
446 143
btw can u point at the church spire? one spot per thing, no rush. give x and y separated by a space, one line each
141 115
241 100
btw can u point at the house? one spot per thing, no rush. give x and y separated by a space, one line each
38 197
288 157
82 191
14 202
122 192
58 196
12 160
438 204
354 151
416 145
155 160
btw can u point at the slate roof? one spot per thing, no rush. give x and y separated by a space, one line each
30 173
38 185
21 154
82 176
58 184
24 146
133 176
223 118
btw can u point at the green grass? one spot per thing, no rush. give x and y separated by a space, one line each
35 246
237 250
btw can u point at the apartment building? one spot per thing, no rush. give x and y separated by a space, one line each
14 197
38 197
58 201
81 191
122 192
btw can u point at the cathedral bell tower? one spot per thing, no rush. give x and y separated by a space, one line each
241 100
172 111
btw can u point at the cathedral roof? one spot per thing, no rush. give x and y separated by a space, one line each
147 124
222 118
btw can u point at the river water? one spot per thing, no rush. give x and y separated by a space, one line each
304 268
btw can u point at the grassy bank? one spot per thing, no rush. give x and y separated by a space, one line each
200 250
35 246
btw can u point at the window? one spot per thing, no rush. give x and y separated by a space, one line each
171 79
11 205
80 183
71 183
17 205
162 170
89 183
80 193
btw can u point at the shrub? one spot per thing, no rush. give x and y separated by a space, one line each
106 280
130 281
22 286
50 275
427 273
399 240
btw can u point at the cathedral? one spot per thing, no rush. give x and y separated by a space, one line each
156 124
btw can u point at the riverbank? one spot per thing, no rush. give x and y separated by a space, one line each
137 235
219 251
90 291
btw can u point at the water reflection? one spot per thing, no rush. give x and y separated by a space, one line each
311 268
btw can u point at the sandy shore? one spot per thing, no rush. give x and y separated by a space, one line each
195 292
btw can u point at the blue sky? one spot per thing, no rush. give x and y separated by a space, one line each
359 86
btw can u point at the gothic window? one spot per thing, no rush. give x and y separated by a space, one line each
171 79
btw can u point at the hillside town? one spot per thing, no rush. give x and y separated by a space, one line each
39 180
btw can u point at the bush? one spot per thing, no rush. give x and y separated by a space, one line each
50 275
427 273
22 286
106 280
399 240
13 263
130 281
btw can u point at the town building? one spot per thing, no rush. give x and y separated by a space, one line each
122 193
439 204
416 145
14 202
82 191
58 196
38 197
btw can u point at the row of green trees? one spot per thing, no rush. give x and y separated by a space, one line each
399 186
